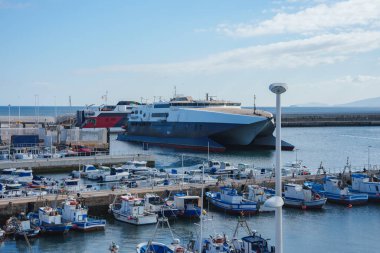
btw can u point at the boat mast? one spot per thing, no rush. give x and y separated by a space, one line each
201 216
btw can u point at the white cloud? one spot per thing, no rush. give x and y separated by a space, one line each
323 49
13 4
359 79
341 16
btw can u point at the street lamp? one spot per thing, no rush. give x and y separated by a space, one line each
277 202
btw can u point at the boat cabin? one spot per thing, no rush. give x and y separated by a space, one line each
49 215
132 205
362 183
297 191
229 195
184 202
73 211
335 186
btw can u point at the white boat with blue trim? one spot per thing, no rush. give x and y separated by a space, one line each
299 196
230 201
362 183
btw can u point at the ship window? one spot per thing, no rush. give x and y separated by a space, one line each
377 188
161 105
140 112
160 114
144 115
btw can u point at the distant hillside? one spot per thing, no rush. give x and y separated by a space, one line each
311 105
369 102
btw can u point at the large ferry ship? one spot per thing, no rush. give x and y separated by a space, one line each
210 124
107 116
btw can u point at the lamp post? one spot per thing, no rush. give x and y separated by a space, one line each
277 202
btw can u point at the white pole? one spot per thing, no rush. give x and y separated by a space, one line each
278 175
183 173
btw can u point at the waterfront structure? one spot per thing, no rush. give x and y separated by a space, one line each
200 124
295 195
230 201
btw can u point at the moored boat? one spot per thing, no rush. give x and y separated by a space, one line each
50 221
188 206
362 183
230 201
153 203
73 211
336 191
132 210
299 196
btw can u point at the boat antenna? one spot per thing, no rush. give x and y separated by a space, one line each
175 91
254 103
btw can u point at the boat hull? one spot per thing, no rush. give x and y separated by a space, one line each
249 208
297 203
140 220
354 199
193 213
56 228
89 225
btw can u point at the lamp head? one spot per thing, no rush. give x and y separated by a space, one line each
278 88
274 202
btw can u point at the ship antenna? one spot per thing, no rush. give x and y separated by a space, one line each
175 91
254 104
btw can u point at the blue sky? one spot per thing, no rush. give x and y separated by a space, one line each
327 51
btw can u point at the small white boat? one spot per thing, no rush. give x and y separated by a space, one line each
85 171
22 176
102 171
296 195
132 210
116 174
7 173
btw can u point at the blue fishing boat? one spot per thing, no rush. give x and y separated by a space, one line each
299 196
335 191
229 200
188 206
73 211
50 221
362 183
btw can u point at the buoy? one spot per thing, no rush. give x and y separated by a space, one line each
349 206
204 212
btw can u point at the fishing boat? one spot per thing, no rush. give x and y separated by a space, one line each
132 210
155 204
335 190
158 247
299 196
50 221
116 174
259 195
22 176
24 228
73 211
252 243
362 183
230 201
7 173
188 206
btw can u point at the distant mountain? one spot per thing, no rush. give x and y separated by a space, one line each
310 105
369 102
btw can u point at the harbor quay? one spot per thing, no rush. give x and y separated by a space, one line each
99 200
67 164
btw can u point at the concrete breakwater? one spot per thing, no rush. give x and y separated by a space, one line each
323 120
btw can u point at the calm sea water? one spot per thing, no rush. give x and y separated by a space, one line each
334 229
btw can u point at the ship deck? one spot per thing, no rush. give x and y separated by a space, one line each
240 111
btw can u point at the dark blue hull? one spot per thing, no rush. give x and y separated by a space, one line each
56 228
195 213
89 225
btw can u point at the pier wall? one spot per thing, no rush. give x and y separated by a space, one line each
324 120
98 201
70 163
